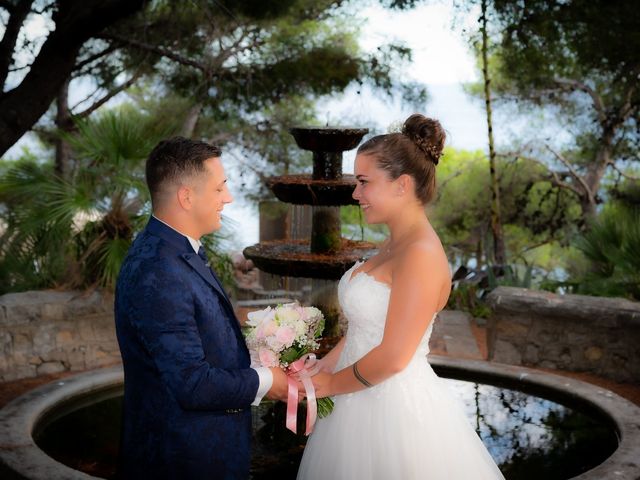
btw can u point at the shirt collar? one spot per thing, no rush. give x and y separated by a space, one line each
195 244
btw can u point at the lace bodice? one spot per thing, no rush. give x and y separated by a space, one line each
364 301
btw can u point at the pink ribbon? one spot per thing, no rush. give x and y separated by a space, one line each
292 399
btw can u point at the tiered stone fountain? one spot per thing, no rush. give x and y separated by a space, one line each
326 255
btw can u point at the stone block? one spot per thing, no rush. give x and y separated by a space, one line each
564 361
578 338
506 352
85 330
53 312
43 339
4 364
593 354
511 329
89 303
22 314
548 364
64 337
26 307
104 329
22 342
6 343
47 368
531 355
76 359
56 355
35 360
20 371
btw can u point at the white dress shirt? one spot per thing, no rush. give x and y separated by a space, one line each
264 374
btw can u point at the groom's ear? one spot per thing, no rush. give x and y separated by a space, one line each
184 195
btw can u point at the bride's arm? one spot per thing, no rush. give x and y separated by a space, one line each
418 282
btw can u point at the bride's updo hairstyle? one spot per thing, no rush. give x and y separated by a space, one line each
414 151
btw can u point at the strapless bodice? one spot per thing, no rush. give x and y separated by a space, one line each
364 302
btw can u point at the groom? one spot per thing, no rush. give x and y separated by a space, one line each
188 386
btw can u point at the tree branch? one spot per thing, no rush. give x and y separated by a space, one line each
75 23
629 106
18 14
8 6
94 57
596 99
157 50
554 176
574 174
625 175
109 96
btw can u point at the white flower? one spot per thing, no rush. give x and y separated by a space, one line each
257 316
287 315
312 314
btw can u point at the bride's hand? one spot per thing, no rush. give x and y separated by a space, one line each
315 366
322 383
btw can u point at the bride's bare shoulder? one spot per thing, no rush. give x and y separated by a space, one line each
425 255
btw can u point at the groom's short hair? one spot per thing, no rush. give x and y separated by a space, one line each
175 159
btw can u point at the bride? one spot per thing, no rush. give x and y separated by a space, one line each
393 417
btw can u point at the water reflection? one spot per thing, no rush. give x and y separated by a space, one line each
532 437
528 436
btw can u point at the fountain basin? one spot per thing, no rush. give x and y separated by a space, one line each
20 420
328 139
293 258
304 190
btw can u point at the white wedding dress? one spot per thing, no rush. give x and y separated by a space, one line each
408 427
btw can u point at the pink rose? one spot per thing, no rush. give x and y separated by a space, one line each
269 327
286 335
267 358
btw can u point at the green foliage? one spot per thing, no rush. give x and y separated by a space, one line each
537 217
75 232
468 298
354 226
511 277
611 246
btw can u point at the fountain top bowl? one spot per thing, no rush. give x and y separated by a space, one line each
328 139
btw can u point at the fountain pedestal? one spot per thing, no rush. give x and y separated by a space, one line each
325 255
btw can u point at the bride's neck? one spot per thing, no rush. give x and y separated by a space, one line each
406 225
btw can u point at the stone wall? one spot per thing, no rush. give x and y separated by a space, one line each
569 332
45 332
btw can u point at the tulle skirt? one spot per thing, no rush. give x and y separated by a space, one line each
408 427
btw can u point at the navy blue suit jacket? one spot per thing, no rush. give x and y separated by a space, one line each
188 386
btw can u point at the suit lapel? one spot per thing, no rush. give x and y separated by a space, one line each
206 273
181 243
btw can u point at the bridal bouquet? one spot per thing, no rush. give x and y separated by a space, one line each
283 337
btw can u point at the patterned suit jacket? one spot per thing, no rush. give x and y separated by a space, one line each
188 385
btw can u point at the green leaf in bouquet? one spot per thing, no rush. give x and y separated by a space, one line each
325 406
319 328
291 354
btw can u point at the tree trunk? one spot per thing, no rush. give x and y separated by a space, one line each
75 22
64 124
189 124
496 223
593 179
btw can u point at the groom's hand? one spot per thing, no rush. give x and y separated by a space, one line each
280 386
